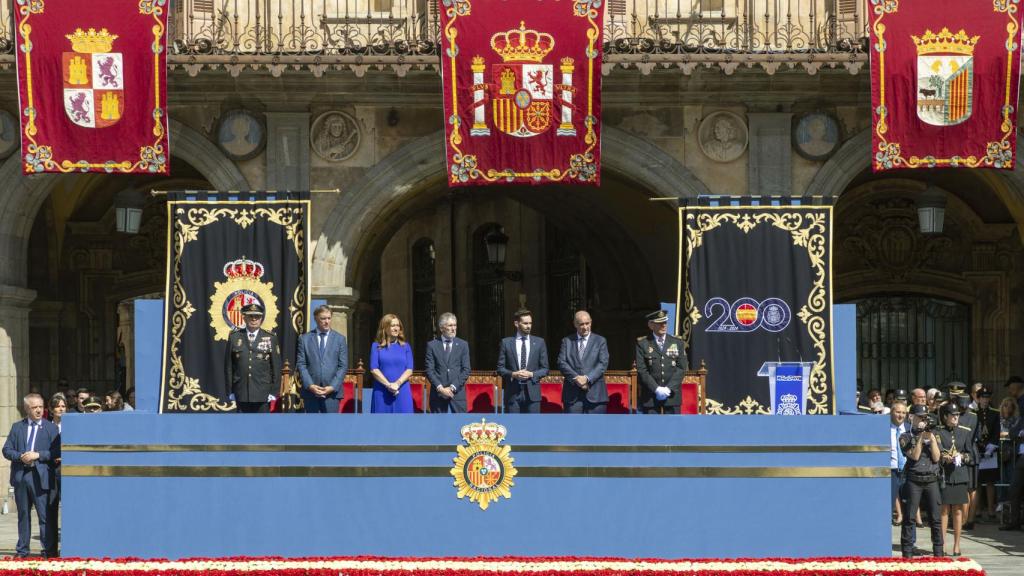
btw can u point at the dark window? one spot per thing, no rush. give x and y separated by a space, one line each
488 304
566 282
424 297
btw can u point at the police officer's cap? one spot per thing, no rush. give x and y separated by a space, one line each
900 394
253 309
939 396
918 410
957 388
658 317
985 392
949 409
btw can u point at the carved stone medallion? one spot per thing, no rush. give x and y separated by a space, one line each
722 136
335 136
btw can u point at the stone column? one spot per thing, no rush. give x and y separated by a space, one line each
15 304
770 170
287 151
126 337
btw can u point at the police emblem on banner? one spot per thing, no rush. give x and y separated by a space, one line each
945 76
243 286
93 79
483 469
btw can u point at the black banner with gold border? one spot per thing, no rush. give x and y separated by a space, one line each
224 251
755 287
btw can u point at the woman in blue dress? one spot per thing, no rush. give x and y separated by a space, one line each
391 367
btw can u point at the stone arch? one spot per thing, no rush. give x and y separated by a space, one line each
22 195
419 165
854 157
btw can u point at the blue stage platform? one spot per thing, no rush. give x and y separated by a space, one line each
174 486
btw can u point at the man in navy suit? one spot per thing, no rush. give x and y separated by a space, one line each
322 360
583 360
447 367
522 362
33 445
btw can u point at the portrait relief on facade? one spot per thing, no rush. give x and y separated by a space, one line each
722 136
335 136
241 135
816 135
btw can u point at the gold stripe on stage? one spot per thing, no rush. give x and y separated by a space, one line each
219 471
625 449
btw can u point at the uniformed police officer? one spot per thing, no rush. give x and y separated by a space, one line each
253 363
969 421
660 366
921 447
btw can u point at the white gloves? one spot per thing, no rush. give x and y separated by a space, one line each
662 392
956 460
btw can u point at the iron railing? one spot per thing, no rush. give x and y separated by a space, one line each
410 27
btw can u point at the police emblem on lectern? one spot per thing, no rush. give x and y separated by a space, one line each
244 286
483 470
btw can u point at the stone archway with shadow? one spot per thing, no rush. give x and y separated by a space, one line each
353 228
20 200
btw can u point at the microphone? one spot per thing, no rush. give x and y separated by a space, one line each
778 340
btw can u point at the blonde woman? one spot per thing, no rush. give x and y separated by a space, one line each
391 367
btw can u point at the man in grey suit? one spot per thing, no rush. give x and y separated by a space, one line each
522 362
447 367
583 360
322 360
33 447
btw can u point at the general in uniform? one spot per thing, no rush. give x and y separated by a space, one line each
253 363
660 366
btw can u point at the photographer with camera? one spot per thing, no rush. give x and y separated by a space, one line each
956 449
921 447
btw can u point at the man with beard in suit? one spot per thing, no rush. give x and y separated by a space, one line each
253 363
522 362
660 366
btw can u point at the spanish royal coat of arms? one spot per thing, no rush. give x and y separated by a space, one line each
483 469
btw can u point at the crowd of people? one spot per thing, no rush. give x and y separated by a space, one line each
955 460
253 361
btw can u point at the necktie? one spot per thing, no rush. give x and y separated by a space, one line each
581 344
32 436
252 337
661 344
901 458
323 343
447 347
522 354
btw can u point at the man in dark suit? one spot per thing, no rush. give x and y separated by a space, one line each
322 359
1015 495
660 367
253 363
33 447
447 367
583 359
522 362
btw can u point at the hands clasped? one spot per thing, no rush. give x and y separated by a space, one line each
662 392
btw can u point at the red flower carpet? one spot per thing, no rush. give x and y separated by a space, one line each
562 566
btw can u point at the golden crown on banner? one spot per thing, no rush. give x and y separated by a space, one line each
483 430
243 268
522 45
945 42
92 41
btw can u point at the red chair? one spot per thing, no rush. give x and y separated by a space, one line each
420 399
483 393
619 394
551 395
352 389
692 391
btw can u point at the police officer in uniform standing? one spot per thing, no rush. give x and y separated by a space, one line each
921 447
660 365
253 363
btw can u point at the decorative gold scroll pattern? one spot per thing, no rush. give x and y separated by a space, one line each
807 229
40 157
465 167
997 154
184 393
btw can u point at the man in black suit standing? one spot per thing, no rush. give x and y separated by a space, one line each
522 362
447 367
583 360
33 447
660 367
253 363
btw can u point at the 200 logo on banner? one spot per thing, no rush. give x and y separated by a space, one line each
747 315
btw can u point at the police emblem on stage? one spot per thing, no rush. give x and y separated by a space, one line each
93 79
483 470
945 76
243 287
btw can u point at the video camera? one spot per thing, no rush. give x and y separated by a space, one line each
927 421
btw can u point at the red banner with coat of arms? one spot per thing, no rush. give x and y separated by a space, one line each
944 83
522 90
92 80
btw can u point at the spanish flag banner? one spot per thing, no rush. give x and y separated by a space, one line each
944 82
92 80
522 91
